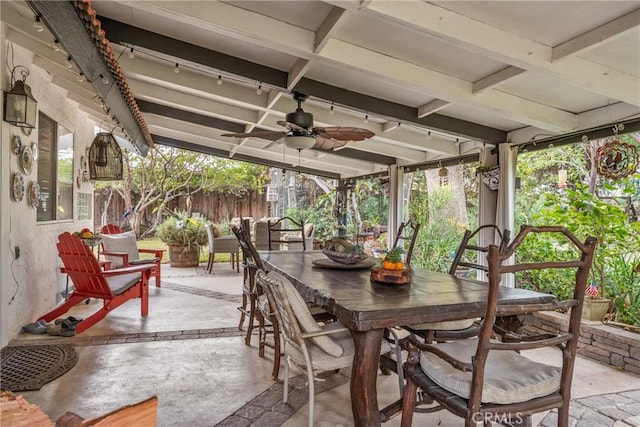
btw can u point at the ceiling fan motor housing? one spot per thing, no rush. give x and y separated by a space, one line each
300 118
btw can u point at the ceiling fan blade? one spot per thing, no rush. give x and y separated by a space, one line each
328 144
272 143
343 133
255 134
291 126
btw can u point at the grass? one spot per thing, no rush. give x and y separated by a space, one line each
155 243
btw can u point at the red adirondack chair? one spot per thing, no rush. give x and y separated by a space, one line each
114 287
131 257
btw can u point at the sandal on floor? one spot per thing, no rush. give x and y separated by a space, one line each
39 327
61 329
70 321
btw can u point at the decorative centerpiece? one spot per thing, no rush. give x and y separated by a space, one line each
344 252
392 270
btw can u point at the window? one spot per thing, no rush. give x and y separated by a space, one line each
55 170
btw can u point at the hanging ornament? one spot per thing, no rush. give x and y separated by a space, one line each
444 176
616 159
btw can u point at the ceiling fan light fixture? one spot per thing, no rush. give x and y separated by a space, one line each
299 142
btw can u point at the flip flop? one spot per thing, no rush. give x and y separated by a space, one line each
61 329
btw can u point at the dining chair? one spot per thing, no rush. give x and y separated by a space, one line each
251 263
121 249
311 346
221 244
284 231
482 379
467 261
406 237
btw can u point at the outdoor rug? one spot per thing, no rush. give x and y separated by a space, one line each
30 367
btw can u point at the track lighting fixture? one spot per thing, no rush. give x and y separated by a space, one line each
219 81
331 110
104 79
37 24
55 46
366 118
131 55
81 77
429 135
68 63
176 69
259 90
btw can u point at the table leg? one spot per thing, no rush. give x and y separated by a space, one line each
364 374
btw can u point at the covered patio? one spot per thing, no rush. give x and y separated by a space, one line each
189 353
436 83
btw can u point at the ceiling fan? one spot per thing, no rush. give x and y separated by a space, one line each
301 133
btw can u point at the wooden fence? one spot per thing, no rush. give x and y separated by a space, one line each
213 206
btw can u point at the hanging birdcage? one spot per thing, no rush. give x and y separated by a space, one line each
105 158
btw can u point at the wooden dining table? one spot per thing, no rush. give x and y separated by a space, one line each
367 308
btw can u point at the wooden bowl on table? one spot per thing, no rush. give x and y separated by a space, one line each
395 277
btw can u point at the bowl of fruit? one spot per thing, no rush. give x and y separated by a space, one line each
392 269
88 237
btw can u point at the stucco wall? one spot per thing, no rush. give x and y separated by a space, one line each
31 284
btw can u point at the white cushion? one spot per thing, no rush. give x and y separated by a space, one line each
509 376
122 282
121 242
305 319
450 325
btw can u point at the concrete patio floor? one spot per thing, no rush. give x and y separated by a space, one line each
189 352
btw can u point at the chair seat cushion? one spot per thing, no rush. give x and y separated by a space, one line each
122 242
122 282
451 325
325 362
509 376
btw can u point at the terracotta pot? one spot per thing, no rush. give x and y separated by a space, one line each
182 256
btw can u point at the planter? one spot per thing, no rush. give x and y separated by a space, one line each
595 309
183 256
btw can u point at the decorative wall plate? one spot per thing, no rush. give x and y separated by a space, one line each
34 194
17 187
16 144
34 151
26 160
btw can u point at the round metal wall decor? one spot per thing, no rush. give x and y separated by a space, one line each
616 159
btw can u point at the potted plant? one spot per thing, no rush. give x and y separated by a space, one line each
184 235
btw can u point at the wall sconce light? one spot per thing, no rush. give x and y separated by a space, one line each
20 107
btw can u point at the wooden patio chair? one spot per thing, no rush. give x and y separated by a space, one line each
311 346
465 328
259 306
113 287
482 379
121 248
406 237
279 233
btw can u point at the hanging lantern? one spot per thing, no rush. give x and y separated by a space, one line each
20 107
105 158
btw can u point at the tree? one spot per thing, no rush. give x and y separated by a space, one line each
167 173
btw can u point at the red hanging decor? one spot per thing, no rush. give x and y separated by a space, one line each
616 159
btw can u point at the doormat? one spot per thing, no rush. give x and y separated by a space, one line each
30 367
